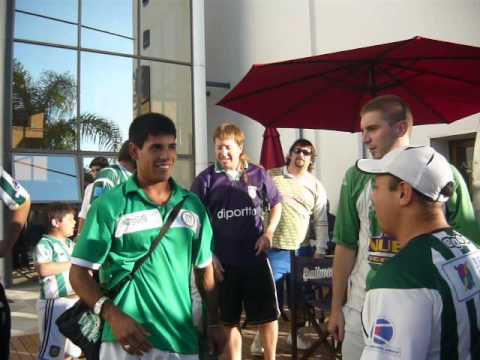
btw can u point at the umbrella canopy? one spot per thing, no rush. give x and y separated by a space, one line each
272 153
439 80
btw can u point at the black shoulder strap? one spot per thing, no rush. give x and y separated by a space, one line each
171 217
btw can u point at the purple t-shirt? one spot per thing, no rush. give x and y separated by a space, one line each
235 209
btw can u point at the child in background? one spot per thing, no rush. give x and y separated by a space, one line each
52 261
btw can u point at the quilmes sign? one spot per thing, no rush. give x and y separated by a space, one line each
316 273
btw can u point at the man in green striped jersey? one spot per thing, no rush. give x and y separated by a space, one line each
361 244
52 261
17 199
114 175
424 303
151 316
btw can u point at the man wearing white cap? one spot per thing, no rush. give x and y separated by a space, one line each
361 244
424 303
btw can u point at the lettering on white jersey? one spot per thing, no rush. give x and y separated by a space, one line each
463 274
138 221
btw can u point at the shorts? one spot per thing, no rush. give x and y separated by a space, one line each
5 324
251 288
53 345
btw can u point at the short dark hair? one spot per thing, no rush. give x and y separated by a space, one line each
99 161
303 142
392 107
150 124
424 200
57 211
124 153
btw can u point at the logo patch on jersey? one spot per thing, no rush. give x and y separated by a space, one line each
454 242
381 248
463 275
187 219
252 191
382 331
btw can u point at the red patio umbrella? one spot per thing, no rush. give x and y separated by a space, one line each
272 153
439 80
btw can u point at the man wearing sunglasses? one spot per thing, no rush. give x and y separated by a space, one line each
304 204
361 244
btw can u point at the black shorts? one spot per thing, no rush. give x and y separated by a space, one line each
251 288
4 325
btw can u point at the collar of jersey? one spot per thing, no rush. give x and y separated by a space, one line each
219 169
177 192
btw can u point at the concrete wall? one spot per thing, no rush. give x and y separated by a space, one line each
241 33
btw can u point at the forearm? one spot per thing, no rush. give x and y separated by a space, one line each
342 267
205 281
275 215
17 222
85 285
52 268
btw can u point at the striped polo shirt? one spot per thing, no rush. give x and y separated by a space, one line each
12 193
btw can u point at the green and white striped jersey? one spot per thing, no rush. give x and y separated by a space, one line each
356 227
424 303
108 178
51 250
12 193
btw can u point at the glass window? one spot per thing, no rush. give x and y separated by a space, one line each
166 88
183 172
37 28
169 22
44 98
48 177
66 10
106 105
109 25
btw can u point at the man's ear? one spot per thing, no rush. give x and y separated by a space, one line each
401 128
405 193
133 150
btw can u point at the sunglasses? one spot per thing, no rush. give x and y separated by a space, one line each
303 151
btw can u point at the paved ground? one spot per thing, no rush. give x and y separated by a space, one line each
24 344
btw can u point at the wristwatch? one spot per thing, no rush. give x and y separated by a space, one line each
97 308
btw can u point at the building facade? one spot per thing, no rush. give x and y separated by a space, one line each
77 72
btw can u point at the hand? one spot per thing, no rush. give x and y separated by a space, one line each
217 269
216 339
127 331
336 325
263 243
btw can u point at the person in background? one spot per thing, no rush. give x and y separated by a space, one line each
304 204
96 165
151 317
361 244
17 199
236 194
114 175
424 303
52 257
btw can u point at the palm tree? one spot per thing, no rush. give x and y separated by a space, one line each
53 98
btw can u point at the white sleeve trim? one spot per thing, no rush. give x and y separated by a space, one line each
205 264
85 264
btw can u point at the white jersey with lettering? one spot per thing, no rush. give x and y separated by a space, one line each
424 303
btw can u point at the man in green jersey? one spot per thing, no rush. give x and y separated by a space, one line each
17 199
114 175
424 303
151 317
361 245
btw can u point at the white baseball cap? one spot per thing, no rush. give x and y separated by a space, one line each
426 170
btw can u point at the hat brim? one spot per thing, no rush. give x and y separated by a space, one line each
372 166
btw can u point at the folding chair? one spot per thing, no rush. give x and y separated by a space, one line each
315 275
